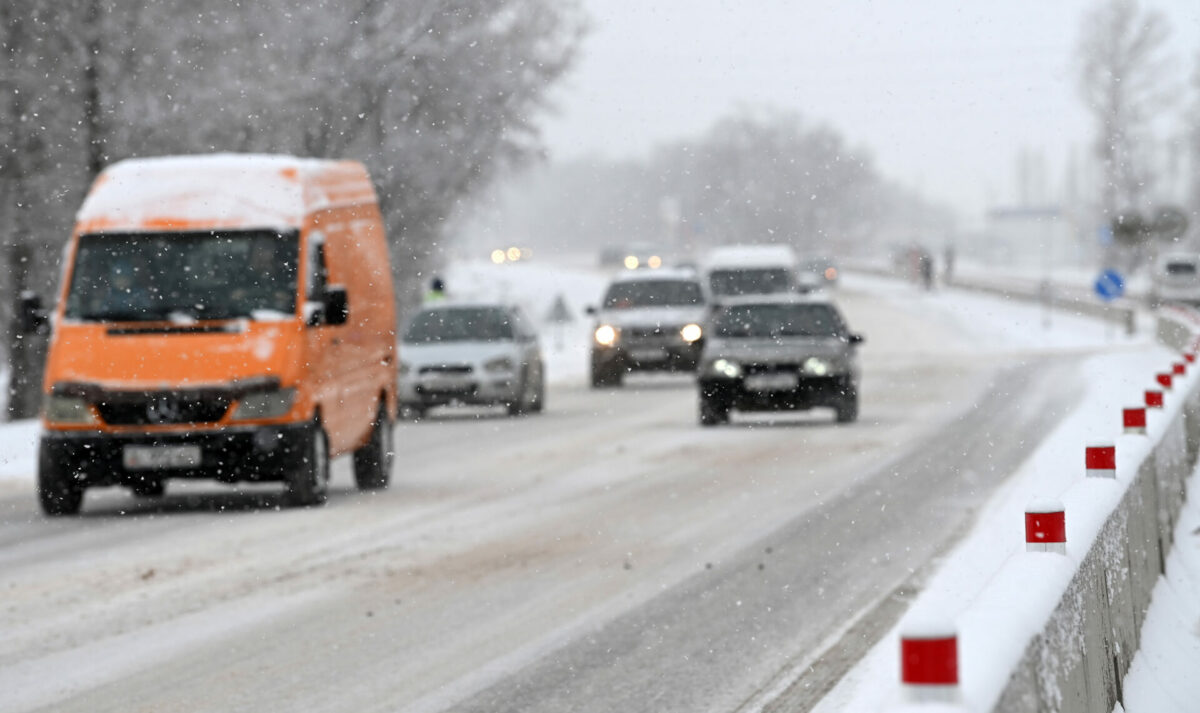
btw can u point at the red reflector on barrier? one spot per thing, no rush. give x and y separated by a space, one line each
1044 528
1189 357
1164 380
1154 399
1101 458
929 662
1179 368
1134 420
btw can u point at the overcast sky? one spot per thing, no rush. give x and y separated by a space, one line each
943 93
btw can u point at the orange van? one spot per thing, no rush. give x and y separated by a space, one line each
226 317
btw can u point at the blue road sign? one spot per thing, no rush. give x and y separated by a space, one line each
1110 285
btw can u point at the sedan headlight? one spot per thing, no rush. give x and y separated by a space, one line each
606 335
497 365
69 409
264 404
816 366
691 333
726 368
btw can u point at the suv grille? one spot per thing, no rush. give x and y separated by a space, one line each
447 369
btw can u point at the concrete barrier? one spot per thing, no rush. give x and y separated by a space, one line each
1078 661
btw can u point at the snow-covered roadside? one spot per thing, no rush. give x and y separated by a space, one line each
1114 380
18 449
1163 676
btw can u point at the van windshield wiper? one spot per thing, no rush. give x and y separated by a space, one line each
120 315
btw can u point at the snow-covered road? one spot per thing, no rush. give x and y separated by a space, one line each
607 555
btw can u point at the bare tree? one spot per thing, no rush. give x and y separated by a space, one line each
1124 84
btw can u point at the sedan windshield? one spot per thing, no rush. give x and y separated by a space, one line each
776 320
750 281
158 276
653 293
459 324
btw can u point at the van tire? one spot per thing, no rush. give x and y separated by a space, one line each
58 491
373 462
308 483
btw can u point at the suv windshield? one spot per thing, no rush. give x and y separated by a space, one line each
653 293
771 320
750 281
459 324
156 276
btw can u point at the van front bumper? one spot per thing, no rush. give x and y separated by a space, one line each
244 453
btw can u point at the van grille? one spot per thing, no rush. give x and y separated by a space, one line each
155 409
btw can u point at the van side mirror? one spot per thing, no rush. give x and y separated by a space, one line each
337 305
30 315
856 338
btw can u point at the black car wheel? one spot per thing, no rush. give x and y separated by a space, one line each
712 411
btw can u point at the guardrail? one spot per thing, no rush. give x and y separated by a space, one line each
1117 521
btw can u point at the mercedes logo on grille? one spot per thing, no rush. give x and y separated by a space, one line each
162 410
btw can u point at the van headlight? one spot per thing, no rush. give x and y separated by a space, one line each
69 409
691 333
264 404
726 368
816 366
606 335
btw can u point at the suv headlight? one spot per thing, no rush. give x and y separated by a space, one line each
726 368
816 366
264 404
606 335
499 364
691 333
69 409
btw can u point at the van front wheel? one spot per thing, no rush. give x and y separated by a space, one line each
373 462
308 482
58 491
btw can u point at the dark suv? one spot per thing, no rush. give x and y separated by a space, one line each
649 321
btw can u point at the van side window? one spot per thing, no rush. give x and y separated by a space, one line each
317 272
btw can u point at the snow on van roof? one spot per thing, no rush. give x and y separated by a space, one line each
750 256
218 190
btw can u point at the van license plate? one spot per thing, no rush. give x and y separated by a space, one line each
771 382
160 457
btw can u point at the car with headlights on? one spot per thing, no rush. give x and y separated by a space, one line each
471 354
776 353
649 321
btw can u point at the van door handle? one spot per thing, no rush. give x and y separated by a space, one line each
387 358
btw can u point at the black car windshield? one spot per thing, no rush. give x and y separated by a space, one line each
750 281
779 320
653 293
156 276
459 324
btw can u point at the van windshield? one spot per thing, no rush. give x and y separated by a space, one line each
750 281
459 324
157 276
